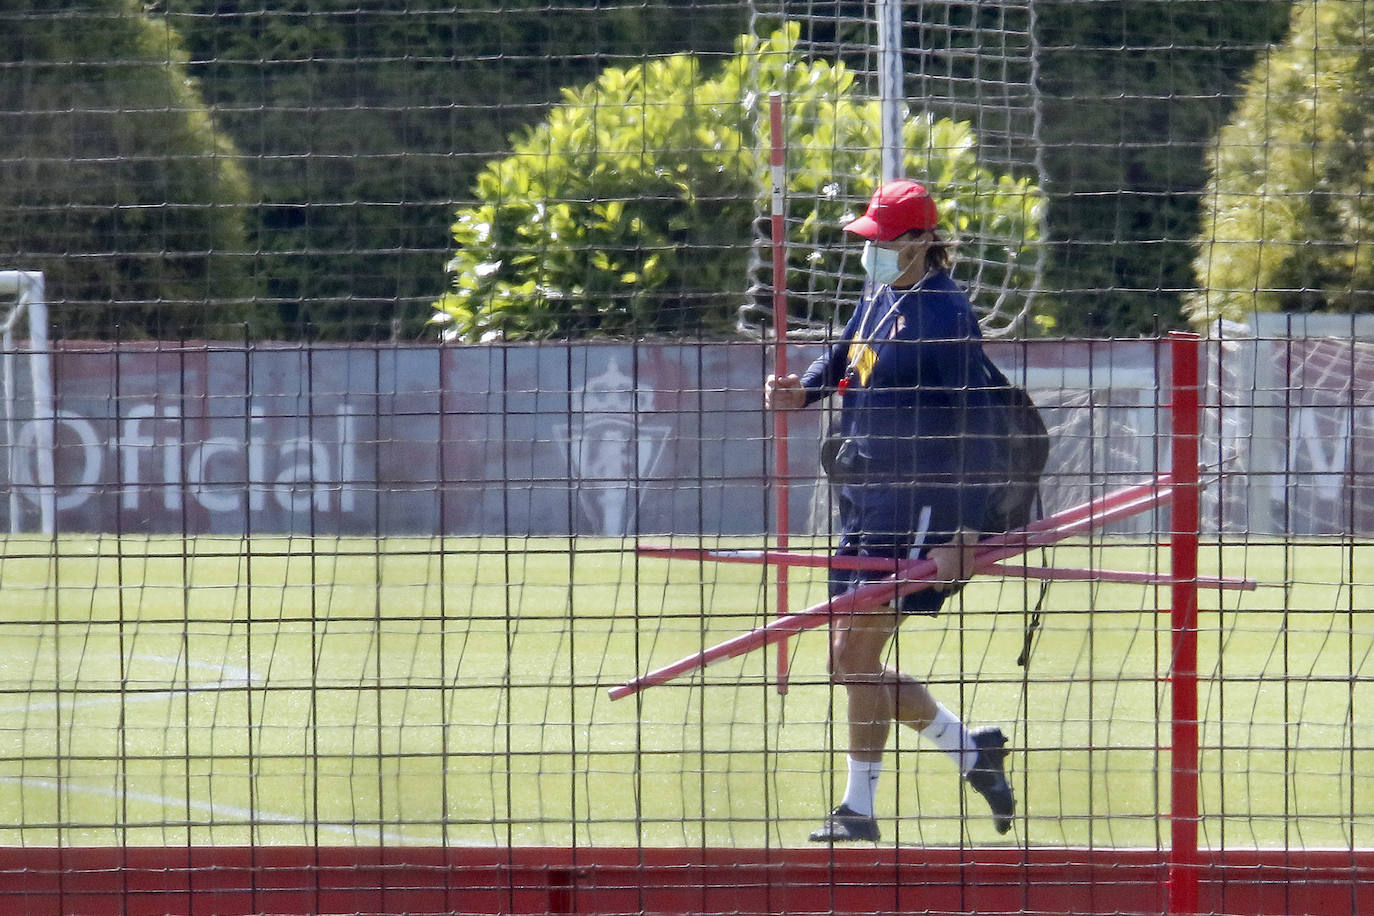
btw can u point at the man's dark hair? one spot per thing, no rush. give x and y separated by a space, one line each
937 255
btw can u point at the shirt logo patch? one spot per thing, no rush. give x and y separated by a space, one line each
862 359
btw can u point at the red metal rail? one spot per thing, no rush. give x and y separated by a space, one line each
426 881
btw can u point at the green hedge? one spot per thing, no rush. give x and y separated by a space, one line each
630 209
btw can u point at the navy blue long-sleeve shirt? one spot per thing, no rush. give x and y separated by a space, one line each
918 399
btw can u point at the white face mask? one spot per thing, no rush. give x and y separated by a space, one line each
880 264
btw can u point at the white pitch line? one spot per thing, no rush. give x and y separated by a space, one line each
73 700
235 672
237 679
253 816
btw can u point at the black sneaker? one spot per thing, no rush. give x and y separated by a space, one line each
845 825
989 777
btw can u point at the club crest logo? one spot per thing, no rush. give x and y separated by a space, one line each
610 450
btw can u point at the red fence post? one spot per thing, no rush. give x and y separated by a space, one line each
1184 526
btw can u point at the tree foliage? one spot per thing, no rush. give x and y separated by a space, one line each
362 127
359 123
629 209
1133 93
1289 218
113 178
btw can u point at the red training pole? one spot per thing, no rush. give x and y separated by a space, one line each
1136 498
914 575
778 169
1184 526
1129 577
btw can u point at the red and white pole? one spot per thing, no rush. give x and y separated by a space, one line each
778 170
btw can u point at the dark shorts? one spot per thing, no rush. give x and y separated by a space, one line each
896 522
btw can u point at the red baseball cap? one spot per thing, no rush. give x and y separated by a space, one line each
897 207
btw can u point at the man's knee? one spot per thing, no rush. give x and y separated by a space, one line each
851 662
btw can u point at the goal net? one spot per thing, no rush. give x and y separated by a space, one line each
953 103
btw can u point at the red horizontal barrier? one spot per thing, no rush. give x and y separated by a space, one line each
238 881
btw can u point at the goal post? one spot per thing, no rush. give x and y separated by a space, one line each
891 91
29 434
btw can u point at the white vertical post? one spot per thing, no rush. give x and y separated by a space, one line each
11 446
29 288
891 91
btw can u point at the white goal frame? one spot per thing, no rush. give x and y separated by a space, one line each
28 290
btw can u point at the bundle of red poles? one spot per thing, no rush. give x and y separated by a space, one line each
914 575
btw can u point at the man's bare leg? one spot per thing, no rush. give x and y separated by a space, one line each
877 694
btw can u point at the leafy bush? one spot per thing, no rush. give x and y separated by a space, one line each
1130 94
1288 217
629 209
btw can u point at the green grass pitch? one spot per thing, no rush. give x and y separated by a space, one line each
364 691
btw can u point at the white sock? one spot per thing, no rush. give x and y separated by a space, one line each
950 736
862 785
